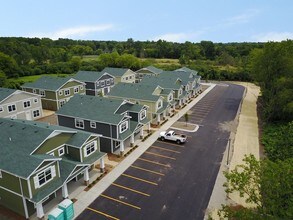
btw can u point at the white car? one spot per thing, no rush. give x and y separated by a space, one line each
172 136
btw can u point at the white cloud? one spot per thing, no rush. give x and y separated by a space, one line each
273 36
178 37
241 18
74 32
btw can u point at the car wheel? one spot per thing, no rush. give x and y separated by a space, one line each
178 142
162 138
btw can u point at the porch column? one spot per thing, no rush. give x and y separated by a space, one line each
158 118
121 148
86 176
164 115
64 191
141 133
132 140
170 110
149 127
40 210
102 165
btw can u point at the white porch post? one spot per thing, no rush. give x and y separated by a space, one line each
141 133
102 165
132 140
158 119
121 148
164 115
64 191
149 127
40 210
86 176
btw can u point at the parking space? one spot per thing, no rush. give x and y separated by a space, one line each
171 181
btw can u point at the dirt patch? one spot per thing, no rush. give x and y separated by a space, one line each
183 125
6 214
228 126
51 119
114 157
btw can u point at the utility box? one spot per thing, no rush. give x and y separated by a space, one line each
67 206
56 214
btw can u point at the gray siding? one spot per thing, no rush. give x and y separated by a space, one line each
134 116
90 85
105 145
105 77
90 92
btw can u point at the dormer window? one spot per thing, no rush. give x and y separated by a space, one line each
159 104
123 126
76 89
42 93
108 81
1 109
90 148
142 114
44 176
61 151
102 83
66 92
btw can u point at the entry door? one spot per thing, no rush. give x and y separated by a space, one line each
28 115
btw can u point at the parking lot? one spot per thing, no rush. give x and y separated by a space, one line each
171 181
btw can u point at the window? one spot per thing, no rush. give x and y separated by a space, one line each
180 92
76 89
11 108
60 92
98 83
1 109
26 104
34 91
62 102
142 114
90 148
66 92
79 123
44 176
170 97
93 124
36 113
0 174
108 81
126 78
81 87
123 126
159 104
103 83
42 93
61 151
112 80
36 100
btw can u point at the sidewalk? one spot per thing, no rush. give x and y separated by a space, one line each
86 198
246 141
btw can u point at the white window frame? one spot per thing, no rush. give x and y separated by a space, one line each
112 80
60 153
159 104
142 114
92 147
62 102
81 87
60 92
126 78
93 124
76 89
27 102
52 154
180 92
0 174
98 83
34 91
78 122
102 83
52 174
108 82
39 113
42 93
170 98
123 127
65 92
36 100
1 109
12 109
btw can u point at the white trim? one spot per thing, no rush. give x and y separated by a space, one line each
65 91
93 124
26 101
42 91
60 92
89 146
15 193
122 124
140 114
80 121
29 188
11 104
36 178
0 174
62 153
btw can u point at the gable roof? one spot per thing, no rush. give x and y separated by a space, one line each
49 83
134 91
5 93
19 138
92 108
166 82
152 69
186 69
88 76
117 72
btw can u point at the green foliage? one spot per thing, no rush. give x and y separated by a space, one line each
265 184
278 141
186 118
272 68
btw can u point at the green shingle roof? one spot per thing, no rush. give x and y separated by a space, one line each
92 108
4 93
48 83
169 82
134 91
129 107
115 71
153 69
186 69
88 76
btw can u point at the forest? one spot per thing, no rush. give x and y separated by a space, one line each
269 65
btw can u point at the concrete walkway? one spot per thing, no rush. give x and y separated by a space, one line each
244 141
86 198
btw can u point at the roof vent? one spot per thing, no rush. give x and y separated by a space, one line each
10 139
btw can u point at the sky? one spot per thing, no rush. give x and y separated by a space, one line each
170 20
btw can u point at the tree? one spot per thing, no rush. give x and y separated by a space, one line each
266 185
208 49
3 79
186 117
8 66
